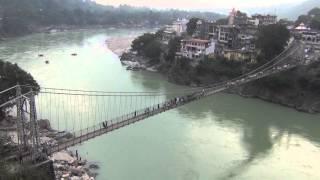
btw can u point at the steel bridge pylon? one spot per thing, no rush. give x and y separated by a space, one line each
27 127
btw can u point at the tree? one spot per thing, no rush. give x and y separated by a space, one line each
140 43
11 75
174 46
303 19
153 50
159 33
312 19
192 25
272 39
147 45
315 23
314 12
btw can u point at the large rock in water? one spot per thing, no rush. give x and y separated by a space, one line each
44 124
76 171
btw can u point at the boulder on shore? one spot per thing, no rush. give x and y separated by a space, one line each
44 124
63 156
77 171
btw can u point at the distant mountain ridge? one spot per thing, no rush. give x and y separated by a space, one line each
303 8
22 16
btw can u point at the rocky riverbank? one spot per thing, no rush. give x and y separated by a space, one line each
297 88
135 62
67 164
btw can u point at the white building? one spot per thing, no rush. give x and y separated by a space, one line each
253 21
311 37
195 48
180 26
265 20
175 29
302 27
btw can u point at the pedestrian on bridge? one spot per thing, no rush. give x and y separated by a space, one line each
104 125
20 159
77 155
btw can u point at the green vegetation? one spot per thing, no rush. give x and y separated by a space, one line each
174 46
17 172
20 17
10 75
272 40
299 82
219 67
181 71
147 45
192 25
312 19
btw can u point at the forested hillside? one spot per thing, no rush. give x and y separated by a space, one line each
21 16
312 19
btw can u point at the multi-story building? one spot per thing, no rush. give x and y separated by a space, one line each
311 36
175 29
249 29
206 30
196 48
180 26
246 42
265 20
213 31
254 22
228 36
201 29
168 33
312 40
233 41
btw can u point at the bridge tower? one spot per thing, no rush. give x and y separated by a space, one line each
34 130
28 132
21 134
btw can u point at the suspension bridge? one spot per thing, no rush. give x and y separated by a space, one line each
84 115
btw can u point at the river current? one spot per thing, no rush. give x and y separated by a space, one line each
221 137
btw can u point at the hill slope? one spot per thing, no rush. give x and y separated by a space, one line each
303 8
18 17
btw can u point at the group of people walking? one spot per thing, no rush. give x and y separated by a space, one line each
167 105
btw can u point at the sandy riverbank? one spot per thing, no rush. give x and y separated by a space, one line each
119 45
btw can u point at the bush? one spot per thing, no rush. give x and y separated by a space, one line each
220 67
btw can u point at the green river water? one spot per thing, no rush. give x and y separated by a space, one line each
221 137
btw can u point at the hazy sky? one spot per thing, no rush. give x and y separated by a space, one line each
204 4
